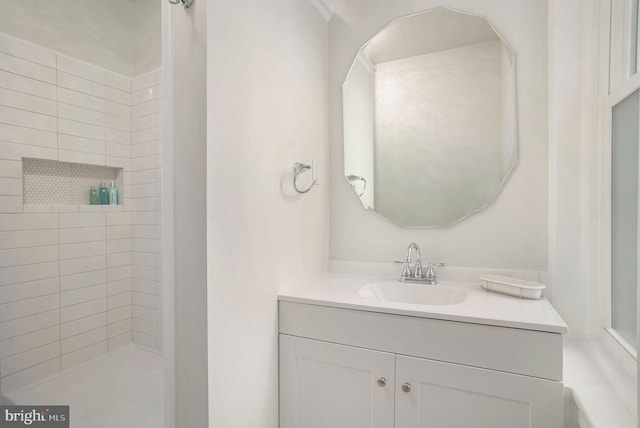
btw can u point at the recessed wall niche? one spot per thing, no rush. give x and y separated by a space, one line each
49 182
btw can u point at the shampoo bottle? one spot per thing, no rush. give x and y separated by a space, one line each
113 194
94 198
104 194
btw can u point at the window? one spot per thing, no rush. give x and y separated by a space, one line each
622 119
624 217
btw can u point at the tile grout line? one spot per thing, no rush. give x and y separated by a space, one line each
106 284
59 297
58 217
36 365
54 325
131 211
61 307
29 349
105 129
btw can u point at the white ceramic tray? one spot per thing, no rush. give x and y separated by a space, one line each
512 286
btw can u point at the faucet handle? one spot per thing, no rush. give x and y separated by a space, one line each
406 271
430 274
438 265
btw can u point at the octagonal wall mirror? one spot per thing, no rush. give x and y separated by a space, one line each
430 132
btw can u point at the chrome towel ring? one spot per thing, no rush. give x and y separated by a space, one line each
299 168
185 3
353 178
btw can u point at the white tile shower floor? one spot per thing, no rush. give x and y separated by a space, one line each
122 389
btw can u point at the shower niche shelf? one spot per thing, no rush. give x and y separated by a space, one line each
65 184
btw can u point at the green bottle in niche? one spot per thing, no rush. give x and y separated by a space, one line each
113 194
104 194
94 198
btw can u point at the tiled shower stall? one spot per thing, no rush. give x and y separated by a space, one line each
76 280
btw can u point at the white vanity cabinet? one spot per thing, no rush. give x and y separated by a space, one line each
438 394
327 385
344 368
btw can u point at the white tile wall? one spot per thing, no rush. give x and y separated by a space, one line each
76 281
27 68
26 85
28 341
82 69
146 150
27 136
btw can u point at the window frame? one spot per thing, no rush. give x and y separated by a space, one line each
617 82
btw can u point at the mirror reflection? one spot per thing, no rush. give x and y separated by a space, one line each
429 118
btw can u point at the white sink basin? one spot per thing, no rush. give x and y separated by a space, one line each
413 293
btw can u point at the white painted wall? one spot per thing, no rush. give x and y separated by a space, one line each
267 108
184 214
512 232
573 127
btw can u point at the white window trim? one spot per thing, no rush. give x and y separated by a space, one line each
616 84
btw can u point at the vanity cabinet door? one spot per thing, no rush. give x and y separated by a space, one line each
445 395
324 385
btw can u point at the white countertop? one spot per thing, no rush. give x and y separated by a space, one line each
480 306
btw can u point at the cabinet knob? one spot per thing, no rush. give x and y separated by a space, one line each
382 382
406 387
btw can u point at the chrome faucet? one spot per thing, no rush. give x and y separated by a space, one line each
417 274
407 273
